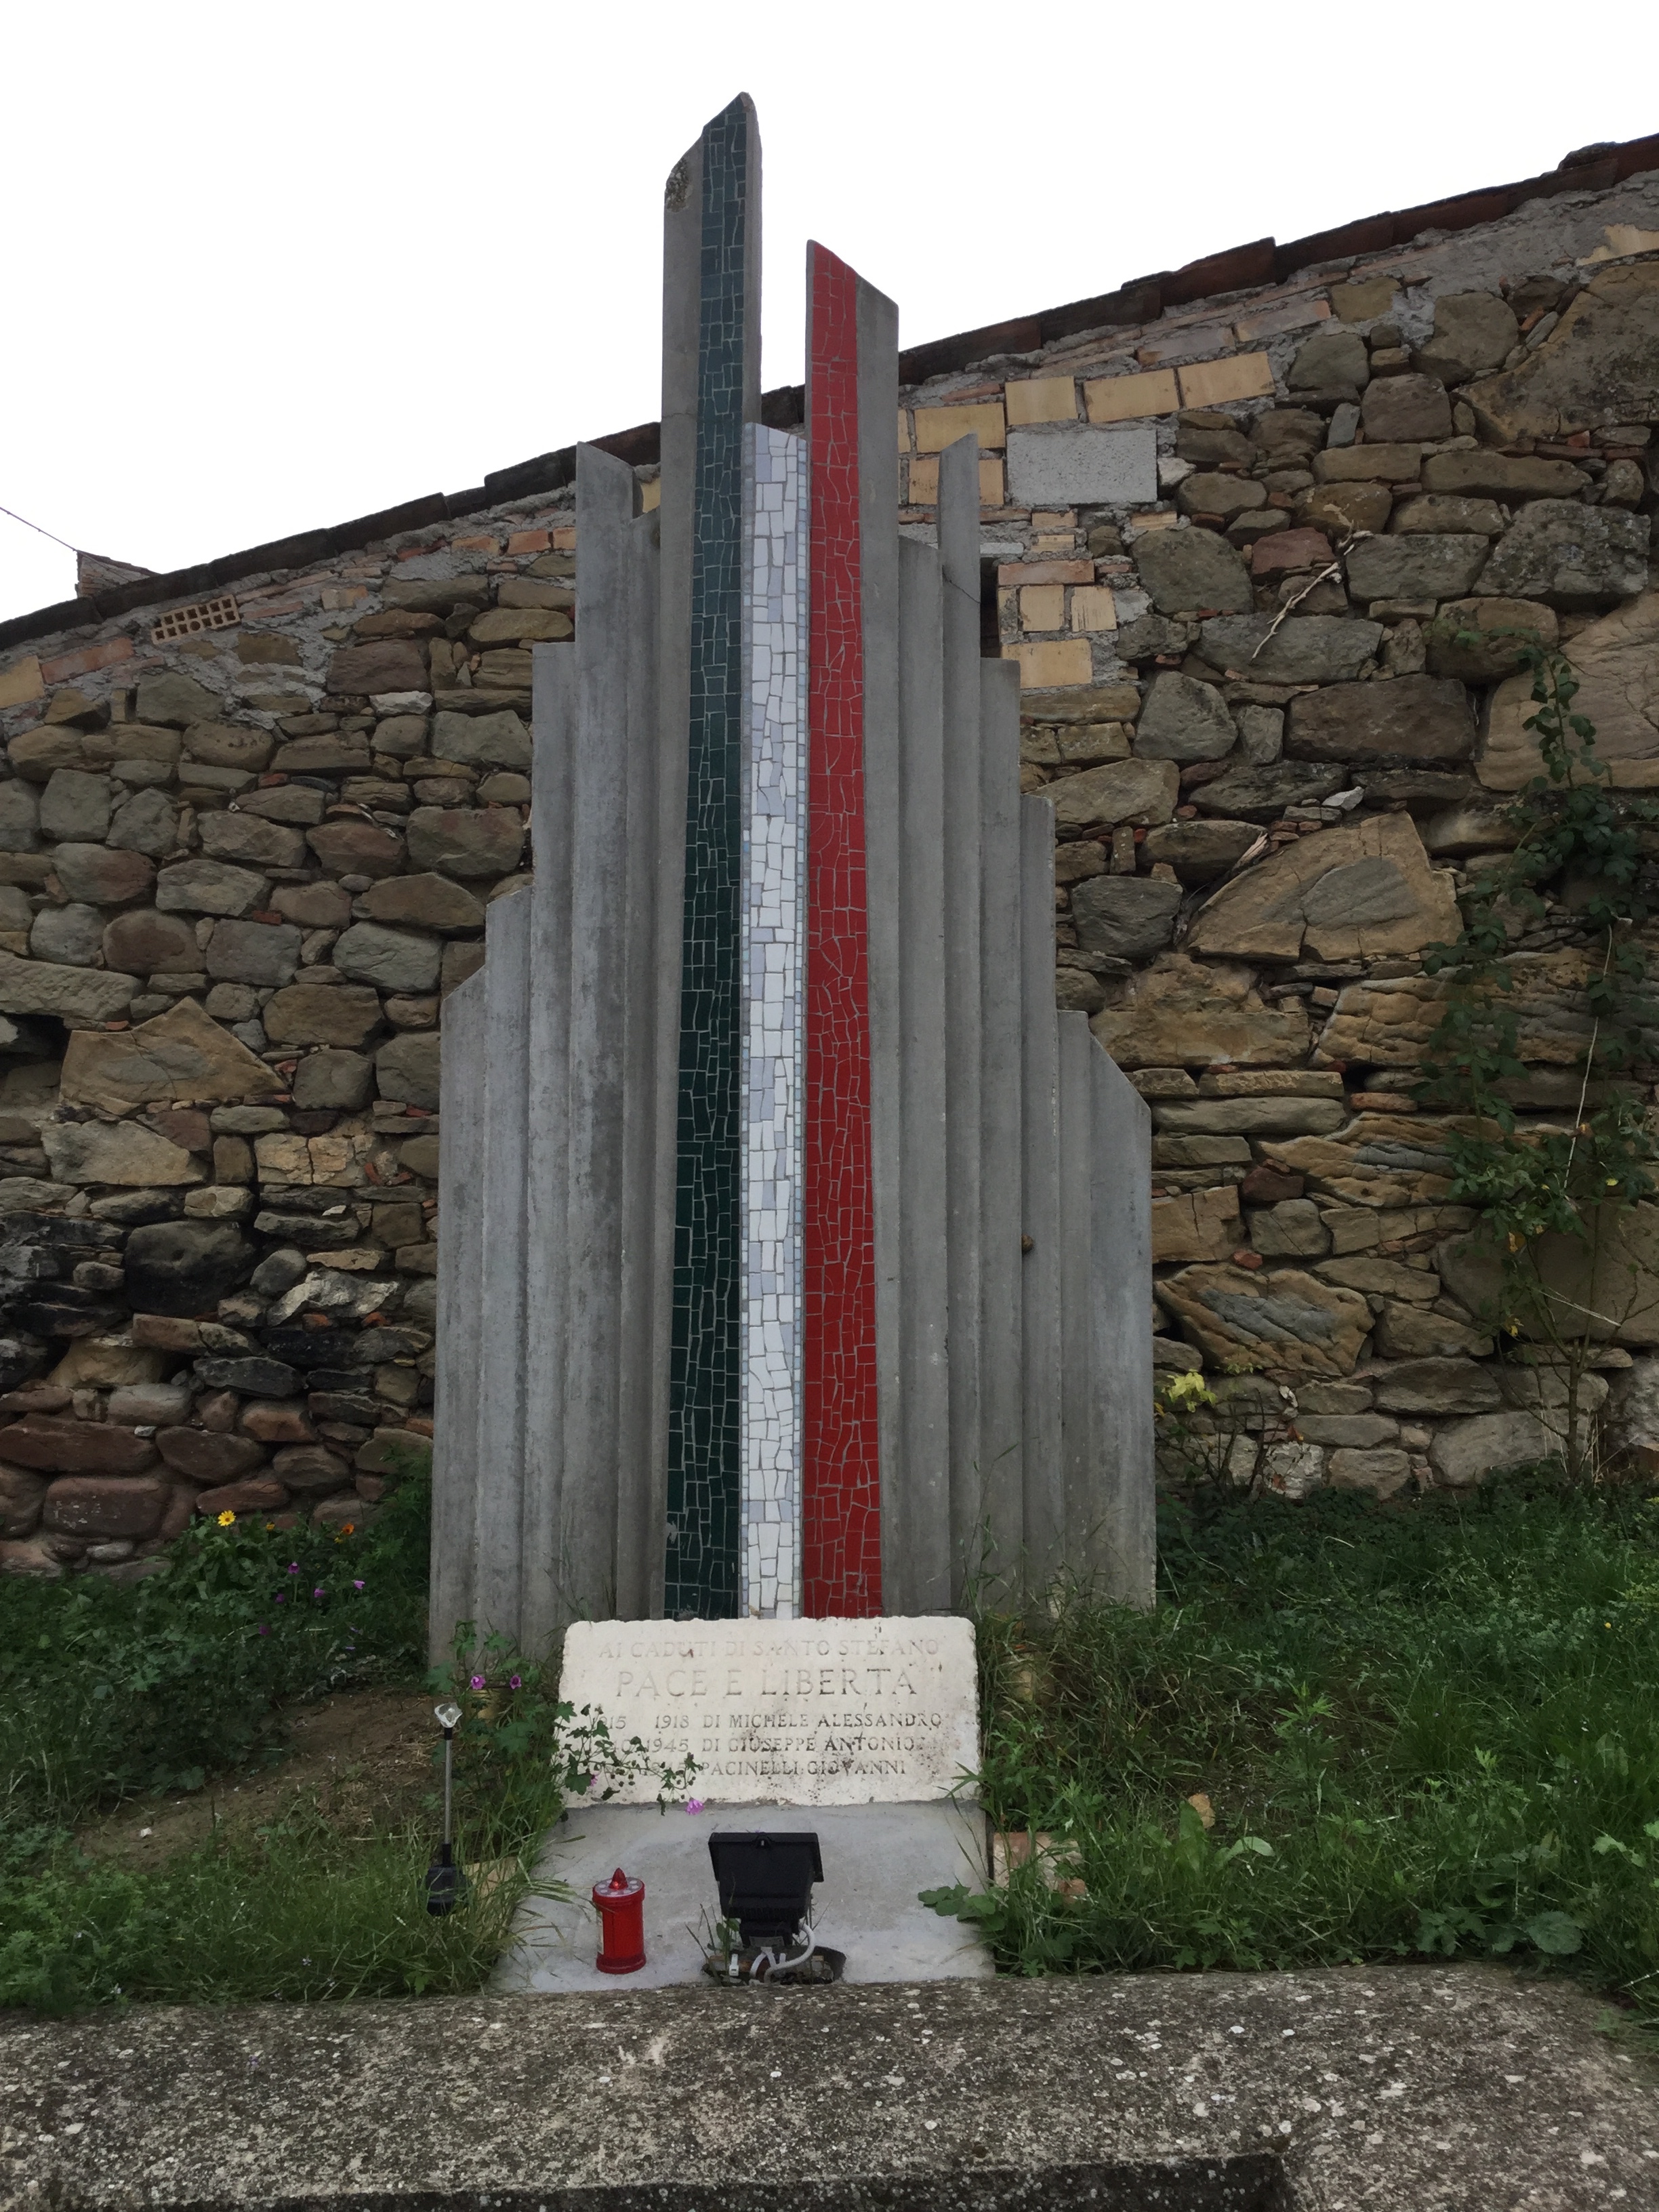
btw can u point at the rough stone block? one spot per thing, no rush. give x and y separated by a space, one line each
1572 556
1360 892
1186 1013
105 1506
200 1456
1198 1225
1434 1386
184 1267
258 953
1463 1453
73 933
1440 565
1186 570
1286 1323
207 886
1183 719
174 698
407 1069
392 959
473 842
1131 791
1383 1471
499 740
1411 718
332 1078
1397 409
100 877
75 805
1302 649
1129 916
69 1447
311 1014
259 843
1600 366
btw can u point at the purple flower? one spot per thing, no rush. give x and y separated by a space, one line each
318 1591
477 1681
515 1682
263 1630
356 1586
293 1566
282 1598
694 1804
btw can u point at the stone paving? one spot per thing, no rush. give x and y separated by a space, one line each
1462 2089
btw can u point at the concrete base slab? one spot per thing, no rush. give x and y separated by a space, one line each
875 1860
1363 2089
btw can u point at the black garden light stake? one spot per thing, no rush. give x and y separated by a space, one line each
443 1881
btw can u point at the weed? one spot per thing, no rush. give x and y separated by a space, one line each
1423 1732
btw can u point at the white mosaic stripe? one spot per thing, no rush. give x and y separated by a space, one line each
774 940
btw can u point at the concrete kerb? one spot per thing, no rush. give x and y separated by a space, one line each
1453 2089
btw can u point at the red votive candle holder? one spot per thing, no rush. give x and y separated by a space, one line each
620 1904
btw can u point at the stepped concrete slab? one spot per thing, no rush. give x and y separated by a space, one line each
1459 2089
876 1859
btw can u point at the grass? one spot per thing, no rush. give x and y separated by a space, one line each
1423 1729
107 1692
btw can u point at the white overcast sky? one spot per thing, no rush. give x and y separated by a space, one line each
273 264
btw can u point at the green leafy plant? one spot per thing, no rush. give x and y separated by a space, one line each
1430 1733
1557 1201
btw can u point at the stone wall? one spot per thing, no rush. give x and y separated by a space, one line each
253 818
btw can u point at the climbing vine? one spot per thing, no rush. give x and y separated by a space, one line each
1557 1199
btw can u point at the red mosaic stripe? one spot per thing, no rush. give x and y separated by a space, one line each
840 1536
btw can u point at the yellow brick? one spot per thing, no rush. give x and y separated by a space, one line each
1041 399
1213 383
1093 608
1051 664
650 494
940 427
564 539
22 683
1042 607
1125 399
924 481
904 430
1142 523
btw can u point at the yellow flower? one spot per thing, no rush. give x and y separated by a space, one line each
225 1519
1612 1182
1517 1240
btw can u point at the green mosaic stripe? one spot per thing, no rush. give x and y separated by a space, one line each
705 1378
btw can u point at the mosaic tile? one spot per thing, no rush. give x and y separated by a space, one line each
840 1536
705 1373
773 949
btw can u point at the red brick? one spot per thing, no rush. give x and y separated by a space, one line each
530 541
1012 573
86 659
1290 549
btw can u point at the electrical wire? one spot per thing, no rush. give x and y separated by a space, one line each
35 527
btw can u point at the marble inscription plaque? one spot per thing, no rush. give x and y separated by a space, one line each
799 1712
